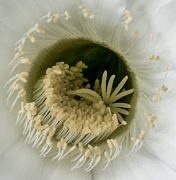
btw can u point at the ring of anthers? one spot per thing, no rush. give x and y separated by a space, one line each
68 115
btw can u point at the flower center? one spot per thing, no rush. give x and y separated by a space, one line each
97 57
77 94
90 118
76 101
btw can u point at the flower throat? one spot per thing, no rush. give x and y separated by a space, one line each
97 58
77 91
77 96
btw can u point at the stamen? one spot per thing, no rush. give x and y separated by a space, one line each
135 32
85 12
156 98
163 88
151 120
154 57
67 15
138 141
128 20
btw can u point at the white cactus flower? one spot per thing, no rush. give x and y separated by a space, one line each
91 88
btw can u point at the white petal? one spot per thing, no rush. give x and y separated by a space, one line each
9 133
20 162
118 169
145 10
60 6
63 172
146 166
166 32
163 148
20 15
162 144
24 14
139 166
166 123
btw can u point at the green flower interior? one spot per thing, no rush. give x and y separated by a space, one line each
97 57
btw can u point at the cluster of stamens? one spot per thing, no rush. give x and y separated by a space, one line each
69 116
31 33
84 120
85 12
16 86
151 120
161 90
56 16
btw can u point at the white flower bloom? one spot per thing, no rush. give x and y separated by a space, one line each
92 86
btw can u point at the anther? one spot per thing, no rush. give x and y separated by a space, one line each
22 93
115 143
67 15
135 32
21 48
107 155
156 98
128 20
97 150
154 57
163 88
87 153
92 16
110 144
81 148
32 39
38 29
17 55
25 61
124 123
142 135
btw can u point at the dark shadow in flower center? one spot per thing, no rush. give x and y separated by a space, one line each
97 57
